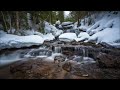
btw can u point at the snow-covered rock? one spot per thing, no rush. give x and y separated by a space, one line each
38 33
48 37
52 29
83 28
66 23
82 36
67 37
14 41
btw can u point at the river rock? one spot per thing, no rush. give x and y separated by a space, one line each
108 60
59 58
67 66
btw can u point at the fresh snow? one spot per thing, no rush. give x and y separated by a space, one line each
48 37
108 35
14 41
67 37
82 36
84 28
49 28
106 28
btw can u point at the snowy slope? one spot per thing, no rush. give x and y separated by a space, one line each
105 27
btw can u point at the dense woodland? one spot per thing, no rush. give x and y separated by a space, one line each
24 20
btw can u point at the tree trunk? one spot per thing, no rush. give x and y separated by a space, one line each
10 22
51 17
17 20
61 16
78 15
4 21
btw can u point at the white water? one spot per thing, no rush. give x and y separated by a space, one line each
57 50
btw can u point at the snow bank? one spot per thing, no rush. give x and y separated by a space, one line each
108 20
67 37
108 35
14 41
48 37
105 27
106 30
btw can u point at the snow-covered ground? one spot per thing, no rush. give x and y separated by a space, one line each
105 28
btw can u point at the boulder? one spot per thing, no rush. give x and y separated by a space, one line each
108 61
59 58
67 66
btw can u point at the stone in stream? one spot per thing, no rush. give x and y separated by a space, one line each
59 58
78 58
67 66
108 61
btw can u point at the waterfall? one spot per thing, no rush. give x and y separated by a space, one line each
57 50
86 52
39 52
81 51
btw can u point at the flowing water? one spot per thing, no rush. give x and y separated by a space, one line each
8 56
57 49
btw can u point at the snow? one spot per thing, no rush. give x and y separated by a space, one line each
66 23
57 22
105 27
67 37
48 37
105 22
75 26
84 28
82 36
12 31
14 41
2 33
52 29
108 35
